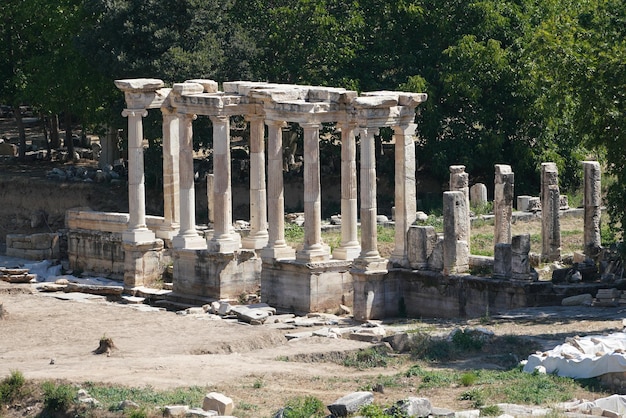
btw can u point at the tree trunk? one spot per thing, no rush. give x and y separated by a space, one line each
55 142
69 144
44 125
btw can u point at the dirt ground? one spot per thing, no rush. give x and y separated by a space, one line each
48 338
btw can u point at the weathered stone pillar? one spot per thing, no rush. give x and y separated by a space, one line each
520 262
109 152
550 204
314 249
137 231
502 261
405 191
225 239
455 222
503 203
187 237
276 248
592 204
459 182
258 236
171 189
350 247
210 191
369 259
478 194
422 242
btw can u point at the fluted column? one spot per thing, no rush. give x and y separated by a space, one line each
171 188
225 239
276 248
137 231
314 249
187 237
405 192
258 236
350 247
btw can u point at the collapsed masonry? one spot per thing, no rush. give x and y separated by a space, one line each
220 263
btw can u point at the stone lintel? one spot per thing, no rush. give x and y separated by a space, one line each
210 86
139 85
403 98
184 89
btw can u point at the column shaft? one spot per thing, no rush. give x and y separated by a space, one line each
137 230
369 233
187 237
276 247
503 203
350 247
593 207
171 188
405 192
258 237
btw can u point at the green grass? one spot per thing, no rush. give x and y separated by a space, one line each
11 387
146 397
58 397
304 407
377 356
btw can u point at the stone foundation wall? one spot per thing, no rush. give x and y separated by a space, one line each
298 287
204 274
44 246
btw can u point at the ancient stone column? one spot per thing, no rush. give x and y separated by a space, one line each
550 204
210 191
459 182
592 204
137 231
225 239
314 249
109 152
276 248
405 190
258 236
187 237
350 246
369 234
478 194
502 261
520 262
455 222
503 203
171 189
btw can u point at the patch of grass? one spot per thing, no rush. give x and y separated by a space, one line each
385 234
146 397
425 347
469 378
59 397
482 244
434 221
307 406
484 208
11 387
258 383
475 395
491 411
466 341
377 356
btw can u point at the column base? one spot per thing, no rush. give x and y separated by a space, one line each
167 232
138 236
225 245
278 253
189 242
255 242
346 253
314 255
399 260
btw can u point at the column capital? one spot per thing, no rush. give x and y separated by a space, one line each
134 112
310 125
219 118
277 123
405 129
191 116
253 118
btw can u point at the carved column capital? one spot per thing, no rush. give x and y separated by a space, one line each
134 112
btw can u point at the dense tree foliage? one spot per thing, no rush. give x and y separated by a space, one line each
509 81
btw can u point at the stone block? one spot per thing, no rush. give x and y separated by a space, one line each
215 401
478 194
413 407
175 411
578 300
351 403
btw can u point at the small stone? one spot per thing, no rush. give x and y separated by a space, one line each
127 405
175 411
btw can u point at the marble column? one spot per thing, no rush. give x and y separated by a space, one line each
171 188
350 247
459 182
455 248
503 203
276 248
258 236
137 231
369 259
313 249
550 220
187 237
592 207
405 191
225 239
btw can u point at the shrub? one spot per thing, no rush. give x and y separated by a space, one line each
57 397
11 387
469 378
367 358
466 341
304 407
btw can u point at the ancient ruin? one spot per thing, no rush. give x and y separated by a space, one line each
427 272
